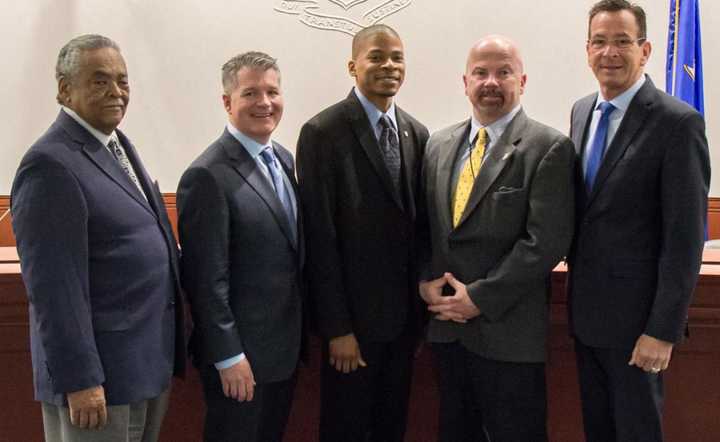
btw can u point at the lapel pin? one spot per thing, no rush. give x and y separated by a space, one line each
405 133
506 156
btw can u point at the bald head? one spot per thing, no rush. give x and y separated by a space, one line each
494 78
497 46
366 34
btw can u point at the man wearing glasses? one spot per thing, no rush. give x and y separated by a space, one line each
641 191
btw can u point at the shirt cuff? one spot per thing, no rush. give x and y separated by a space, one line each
229 362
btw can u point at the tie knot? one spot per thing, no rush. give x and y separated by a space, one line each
605 108
385 122
268 156
481 139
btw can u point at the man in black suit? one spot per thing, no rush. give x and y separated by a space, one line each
642 183
99 262
242 260
359 165
500 204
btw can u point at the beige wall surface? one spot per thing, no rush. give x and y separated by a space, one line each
174 50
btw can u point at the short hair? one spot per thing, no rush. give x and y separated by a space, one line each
620 5
252 60
368 32
68 61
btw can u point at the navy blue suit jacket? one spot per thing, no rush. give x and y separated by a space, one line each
99 264
242 267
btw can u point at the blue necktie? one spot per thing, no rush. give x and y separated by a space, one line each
390 149
597 148
282 193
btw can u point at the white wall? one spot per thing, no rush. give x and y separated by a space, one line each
174 50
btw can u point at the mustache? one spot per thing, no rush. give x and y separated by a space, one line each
490 93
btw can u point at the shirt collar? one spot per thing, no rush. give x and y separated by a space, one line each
494 129
374 114
251 146
622 101
103 138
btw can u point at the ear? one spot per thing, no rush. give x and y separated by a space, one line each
351 68
646 51
226 102
465 83
523 82
63 95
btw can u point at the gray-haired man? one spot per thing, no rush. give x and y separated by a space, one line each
99 262
242 260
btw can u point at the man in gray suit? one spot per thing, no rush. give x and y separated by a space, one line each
500 203
242 260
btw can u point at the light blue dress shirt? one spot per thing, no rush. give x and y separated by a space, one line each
621 103
374 114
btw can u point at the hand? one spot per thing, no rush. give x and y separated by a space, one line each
458 307
238 381
345 353
431 291
87 408
651 354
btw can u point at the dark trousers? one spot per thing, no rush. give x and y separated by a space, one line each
485 400
371 403
261 420
620 403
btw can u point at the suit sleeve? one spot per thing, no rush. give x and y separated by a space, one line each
324 264
548 234
204 230
50 220
685 181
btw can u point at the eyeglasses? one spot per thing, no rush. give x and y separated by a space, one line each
598 44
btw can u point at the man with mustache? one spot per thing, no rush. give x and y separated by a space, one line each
500 206
359 169
99 262
642 185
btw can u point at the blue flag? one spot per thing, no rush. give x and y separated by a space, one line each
684 76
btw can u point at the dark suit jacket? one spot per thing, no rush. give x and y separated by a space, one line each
639 234
360 231
515 228
99 262
241 265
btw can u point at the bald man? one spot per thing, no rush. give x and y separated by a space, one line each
500 205
359 171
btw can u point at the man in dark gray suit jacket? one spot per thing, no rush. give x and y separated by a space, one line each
99 262
642 183
501 216
242 260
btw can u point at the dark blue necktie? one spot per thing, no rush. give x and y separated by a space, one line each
389 147
279 184
597 148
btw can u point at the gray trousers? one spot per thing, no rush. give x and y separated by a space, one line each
137 422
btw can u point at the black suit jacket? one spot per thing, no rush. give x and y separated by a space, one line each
639 234
516 226
241 264
100 265
361 232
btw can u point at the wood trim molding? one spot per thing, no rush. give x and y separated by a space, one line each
7 239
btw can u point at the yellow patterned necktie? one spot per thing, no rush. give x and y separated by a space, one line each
467 176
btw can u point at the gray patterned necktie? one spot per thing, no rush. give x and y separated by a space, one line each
390 149
121 158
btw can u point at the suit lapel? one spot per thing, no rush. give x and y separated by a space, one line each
579 127
290 172
633 120
499 157
407 148
445 169
366 136
248 169
103 159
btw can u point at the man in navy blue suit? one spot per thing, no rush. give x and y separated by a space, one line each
99 262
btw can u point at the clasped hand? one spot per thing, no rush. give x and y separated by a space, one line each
458 307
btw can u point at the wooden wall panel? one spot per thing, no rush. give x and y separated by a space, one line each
7 239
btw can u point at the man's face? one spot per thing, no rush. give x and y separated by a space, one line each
493 80
256 105
616 67
379 66
99 92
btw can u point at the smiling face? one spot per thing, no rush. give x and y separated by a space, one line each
379 68
255 106
616 69
99 91
494 79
